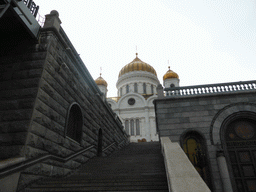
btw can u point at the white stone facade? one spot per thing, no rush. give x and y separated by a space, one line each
136 110
136 90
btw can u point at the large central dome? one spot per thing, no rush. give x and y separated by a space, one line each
137 65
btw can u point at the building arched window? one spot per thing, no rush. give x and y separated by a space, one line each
74 123
132 127
194 146
152 89
137 127
127 88
144 88
135 88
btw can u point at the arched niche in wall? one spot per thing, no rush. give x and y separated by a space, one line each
194 145
99 145
238 138
74 123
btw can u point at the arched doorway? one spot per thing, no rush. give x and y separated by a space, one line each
239 139
99 147
194 146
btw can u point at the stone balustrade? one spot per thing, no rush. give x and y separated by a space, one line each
32 7
211 88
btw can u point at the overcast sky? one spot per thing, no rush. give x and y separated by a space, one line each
205 41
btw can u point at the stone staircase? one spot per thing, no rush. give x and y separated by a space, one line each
138 167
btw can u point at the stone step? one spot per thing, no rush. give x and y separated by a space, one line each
99 188
138 167
102 183
103 179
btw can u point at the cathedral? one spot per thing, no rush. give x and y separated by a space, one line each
136 85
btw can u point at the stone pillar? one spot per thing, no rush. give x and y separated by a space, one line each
160 91
224 174
52 20
147 126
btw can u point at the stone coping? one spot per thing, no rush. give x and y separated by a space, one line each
12 161
181 174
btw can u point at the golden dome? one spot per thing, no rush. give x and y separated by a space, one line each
137 65
101 81
170 74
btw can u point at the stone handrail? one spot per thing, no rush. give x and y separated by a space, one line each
12 166
211 88
106 148
181 174
27 163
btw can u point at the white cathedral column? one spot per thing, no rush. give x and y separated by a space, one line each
147 127
224 174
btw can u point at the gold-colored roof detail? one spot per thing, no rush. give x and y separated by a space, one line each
101 81
137 65
170 74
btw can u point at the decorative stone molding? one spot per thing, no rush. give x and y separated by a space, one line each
223 114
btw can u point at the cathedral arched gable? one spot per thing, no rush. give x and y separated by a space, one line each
112 103
224 113
151 99
124 100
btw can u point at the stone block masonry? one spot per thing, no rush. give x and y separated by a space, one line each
203 114
38 86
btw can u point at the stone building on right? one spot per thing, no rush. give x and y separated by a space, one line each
216 127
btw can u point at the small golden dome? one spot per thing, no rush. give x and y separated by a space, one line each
137 65
101 81
170 74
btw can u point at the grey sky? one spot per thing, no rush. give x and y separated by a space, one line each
205 41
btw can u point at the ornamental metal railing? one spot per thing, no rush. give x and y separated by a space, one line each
32 7
211 89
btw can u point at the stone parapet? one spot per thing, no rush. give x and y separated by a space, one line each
181 174
240 86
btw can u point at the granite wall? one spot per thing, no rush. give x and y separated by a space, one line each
204 114
39 83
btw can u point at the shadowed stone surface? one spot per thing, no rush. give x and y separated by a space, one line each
138 167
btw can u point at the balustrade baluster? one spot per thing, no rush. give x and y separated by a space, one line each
210 89
29 3
237 87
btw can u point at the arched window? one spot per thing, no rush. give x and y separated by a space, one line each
194 147
152 89
135 87
74 123
99 147
240 147
132 127
127 88
126 126
137 127
144 88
